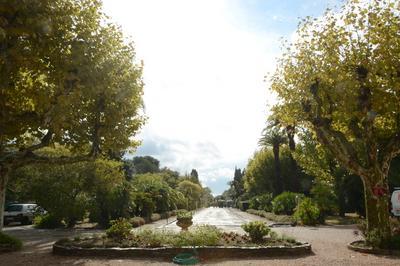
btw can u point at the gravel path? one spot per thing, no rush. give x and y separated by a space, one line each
328 244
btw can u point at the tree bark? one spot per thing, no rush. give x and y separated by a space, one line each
278 178
377 209
3 186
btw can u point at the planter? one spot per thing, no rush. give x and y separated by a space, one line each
360 246
167 253
184 223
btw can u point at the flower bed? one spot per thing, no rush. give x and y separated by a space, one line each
208 241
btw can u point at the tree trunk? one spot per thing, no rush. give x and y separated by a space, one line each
3 187
295 182
377 211
278 178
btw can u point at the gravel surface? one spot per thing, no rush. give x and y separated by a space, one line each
328 244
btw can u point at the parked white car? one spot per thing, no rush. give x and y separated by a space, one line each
396 202
22 213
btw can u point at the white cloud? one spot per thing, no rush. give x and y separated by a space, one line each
204 80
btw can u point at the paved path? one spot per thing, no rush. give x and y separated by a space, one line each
227 219
328 244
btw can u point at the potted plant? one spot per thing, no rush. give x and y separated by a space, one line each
184 220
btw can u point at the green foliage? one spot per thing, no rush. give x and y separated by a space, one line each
184 214
71 79
262 202
9 243
192 193
145 164
339 79
47 221
119 229
257 230
324 196
286 202
307 212
137 221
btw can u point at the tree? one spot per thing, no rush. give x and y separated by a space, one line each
237 183
67 77
273 136
192 192
194 176
146 164
340 80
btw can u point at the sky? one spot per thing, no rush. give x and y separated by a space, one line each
205 62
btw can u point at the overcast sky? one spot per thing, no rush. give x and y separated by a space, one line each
204 67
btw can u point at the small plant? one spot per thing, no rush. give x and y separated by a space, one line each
9 243
47 221
257 230
307 212
119 229
184 214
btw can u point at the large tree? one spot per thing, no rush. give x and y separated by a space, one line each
341 79
67 77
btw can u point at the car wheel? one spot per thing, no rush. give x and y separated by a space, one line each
25 221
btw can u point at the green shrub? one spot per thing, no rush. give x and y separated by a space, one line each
155 217
286 202
261 202
137 221
47 221
119 229
256 230
9 243
307 212
324 196
395 242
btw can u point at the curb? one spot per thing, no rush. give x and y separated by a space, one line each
170 252
371 250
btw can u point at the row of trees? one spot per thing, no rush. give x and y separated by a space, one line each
104 190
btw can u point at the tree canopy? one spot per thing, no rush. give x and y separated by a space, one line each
340 79
68 77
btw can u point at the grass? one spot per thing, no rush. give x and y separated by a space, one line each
273 217
338 220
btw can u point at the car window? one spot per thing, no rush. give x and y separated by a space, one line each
14 208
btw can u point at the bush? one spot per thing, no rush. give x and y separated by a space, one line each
119 229
307 212
203 235
155 217
137 221
286 202
9 243
324 196
47 221
261 202
257 230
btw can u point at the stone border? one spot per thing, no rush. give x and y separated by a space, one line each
371 250
170 252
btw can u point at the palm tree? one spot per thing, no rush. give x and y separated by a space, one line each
273 137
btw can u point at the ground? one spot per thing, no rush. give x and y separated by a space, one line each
328 244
